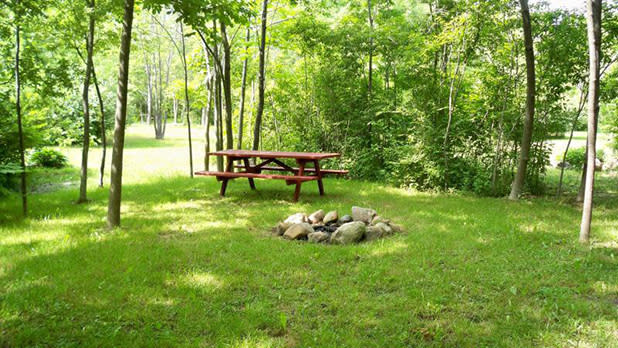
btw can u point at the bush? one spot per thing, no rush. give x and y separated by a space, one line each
577 157
48 158
8 178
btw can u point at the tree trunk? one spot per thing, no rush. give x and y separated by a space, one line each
175 106
219 120
580 108
261 78
187 105
148 93
83 183
103 137
218 109
370 76
115 189
452 94
209 81
582 183
22 158
518 182
593 19
227 88
243 87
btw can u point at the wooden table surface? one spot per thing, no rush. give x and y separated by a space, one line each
275 154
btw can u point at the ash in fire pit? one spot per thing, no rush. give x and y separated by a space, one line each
320 227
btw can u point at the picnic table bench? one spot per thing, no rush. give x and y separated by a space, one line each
272 161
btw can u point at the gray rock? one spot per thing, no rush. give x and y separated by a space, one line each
345 219
316 217
330 217
363 214
297 218
396 228
373 233
281 228
349 233
386 229
318 237
376 219
563 165
298 231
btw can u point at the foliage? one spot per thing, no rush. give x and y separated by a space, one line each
577 157
447 101
48 158
8 177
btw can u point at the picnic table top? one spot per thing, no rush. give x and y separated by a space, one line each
275 154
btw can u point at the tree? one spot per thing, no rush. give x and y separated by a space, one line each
593 16
83 184
261 79
518 182
227 86
187 105
115 189
24 197
370 72
243 87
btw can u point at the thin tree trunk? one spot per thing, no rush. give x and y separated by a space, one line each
260 108
103 137
207 131
580 108
175 106
370 77
582 182
395 85
451 108
187 105
594 47
148 93
243 87
167 83
115 189
209 81
83 183
219 119
22 157
158 120
518 182
227 88
252 106
218 107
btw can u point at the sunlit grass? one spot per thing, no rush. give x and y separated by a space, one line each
189 268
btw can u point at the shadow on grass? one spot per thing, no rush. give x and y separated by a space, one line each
191 268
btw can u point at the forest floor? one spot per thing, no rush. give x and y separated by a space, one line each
189 268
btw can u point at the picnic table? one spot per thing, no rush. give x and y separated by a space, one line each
272 161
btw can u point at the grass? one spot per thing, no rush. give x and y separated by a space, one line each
189 268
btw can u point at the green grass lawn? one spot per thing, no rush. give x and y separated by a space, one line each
189 268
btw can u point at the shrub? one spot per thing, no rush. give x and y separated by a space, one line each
48 158
577 157
8 177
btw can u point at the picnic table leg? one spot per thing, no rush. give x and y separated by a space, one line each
301 172
228 168
318 173
248 169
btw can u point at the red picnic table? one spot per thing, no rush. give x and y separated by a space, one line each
271 161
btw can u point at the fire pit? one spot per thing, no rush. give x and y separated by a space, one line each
363 224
